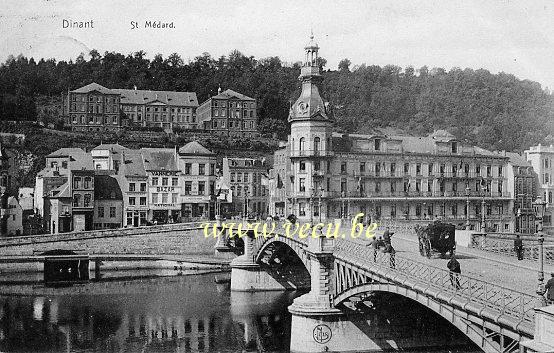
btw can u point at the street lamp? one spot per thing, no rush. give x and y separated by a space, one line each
312 191
319 207
467 207
539 206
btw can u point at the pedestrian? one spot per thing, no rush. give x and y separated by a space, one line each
550 289
455 270
518 247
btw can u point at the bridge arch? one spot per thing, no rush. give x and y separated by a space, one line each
488 336
269 244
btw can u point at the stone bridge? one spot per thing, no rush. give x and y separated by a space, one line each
345 272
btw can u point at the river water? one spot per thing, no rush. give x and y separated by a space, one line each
185 313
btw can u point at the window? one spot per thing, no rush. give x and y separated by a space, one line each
232 177
378 187
164 198
302 209
362 167
377 144
418 169
430 169
201 188
212 169
154 197
418 210
239 177
393 211
174 198
187 168
201 169
406 168
489 169
302 184
143 187
392 169
377 169
246 177
454 169
343 186
76 200
143 201
550 197
174 181
131 201
165 181
302 166
317 165
131 187
393 187
317 141
343 167
454 147
112 212
499 170
87 199
454 210
100 212
478 169
302 144
188 187
154 181
77 182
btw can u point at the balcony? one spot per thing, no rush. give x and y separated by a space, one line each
310 153
415 194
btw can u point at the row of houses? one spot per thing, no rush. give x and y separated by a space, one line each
96 108
112 186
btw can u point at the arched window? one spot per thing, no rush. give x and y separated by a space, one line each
302 143
317 143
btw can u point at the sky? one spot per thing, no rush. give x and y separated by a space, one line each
516 37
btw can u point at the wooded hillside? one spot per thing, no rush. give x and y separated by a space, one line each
494 111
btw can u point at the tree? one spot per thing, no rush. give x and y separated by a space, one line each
344 65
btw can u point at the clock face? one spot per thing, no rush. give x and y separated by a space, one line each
302 108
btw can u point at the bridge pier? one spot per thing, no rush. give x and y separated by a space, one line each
317 325
247 275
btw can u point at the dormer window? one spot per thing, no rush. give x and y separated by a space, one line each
454 147
377 144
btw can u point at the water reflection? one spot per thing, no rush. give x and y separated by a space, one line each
177 314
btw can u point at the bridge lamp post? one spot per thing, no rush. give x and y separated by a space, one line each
539 207
467 207
319 207
483 215
312 191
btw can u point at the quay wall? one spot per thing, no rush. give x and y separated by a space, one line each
173 239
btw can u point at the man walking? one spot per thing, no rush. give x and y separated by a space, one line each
550 289
455 270
518 247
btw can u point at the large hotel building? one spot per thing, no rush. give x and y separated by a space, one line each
330 175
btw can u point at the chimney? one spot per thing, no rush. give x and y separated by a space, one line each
219 90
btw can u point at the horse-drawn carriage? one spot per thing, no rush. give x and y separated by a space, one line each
437 237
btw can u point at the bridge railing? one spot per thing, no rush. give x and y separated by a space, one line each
496 298
505 246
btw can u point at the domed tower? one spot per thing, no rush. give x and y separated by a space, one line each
310 141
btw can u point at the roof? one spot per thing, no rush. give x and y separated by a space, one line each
132 96
67 152
416 144
132 164
517 160
106 187
195 148
61 191
229 93
159 159
442 135
94 87
112 147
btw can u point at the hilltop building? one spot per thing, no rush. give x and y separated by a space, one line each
96 108
229 113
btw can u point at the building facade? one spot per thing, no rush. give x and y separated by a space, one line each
198 170
245 177
541 158
92 108
108 202
164 184
165 109
388 177
279 182
96 108
229 113
523 180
